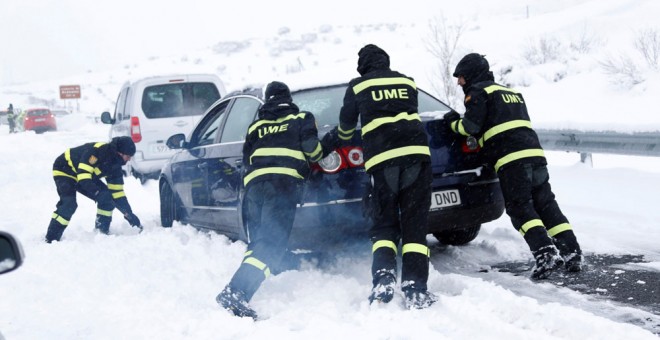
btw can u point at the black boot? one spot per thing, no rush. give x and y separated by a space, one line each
547 260
55 231
102 224
234 301
383 290
569 249
419 299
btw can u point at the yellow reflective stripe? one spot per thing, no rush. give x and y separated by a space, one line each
277 121
99 144
398 152
518 155
383 244
67 156
376 123
383 81
415 248
559 229
457 126
119 194
274 170
248 253
505 127
60 173
260 265
103 212
84 176
529 225
278 152
61 220
115 187
316 154
86 167
493 88
345 134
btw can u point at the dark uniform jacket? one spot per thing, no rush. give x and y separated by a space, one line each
392 131
498 117
280 143
87 164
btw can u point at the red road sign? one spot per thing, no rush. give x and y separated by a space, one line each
69 91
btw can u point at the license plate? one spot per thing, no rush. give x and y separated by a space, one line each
446 198
160 148
40 120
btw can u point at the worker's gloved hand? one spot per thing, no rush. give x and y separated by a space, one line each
133 220
330 141
451 117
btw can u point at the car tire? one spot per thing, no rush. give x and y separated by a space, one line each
458 237
168 206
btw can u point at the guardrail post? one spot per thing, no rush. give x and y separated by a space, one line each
585 157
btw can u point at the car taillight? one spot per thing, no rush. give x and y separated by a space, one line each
470 145
341 158
136 135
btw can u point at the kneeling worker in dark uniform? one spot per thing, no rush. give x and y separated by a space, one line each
276 154
80 169
498 117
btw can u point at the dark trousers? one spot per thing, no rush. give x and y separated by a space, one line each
271 208
531 204
402 198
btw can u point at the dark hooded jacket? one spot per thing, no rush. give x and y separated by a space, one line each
282 141
497 116
385 101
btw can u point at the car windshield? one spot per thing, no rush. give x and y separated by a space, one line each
178 100
36 113
325 103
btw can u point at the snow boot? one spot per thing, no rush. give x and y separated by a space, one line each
234 301
419 299
102 224
55 231
547 260
569 249
383 290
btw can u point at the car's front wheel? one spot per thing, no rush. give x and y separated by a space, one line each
168 206
458 237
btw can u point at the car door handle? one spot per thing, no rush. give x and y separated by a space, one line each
181 123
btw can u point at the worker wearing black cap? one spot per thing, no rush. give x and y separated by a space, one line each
80 169
497 116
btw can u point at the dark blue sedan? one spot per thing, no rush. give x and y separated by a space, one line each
201 184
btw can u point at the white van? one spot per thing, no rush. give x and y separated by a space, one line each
152 109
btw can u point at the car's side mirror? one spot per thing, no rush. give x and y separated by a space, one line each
177 141
106 118
11 253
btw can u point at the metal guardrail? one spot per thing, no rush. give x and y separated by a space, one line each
585 142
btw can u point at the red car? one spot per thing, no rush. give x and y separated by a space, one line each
39 120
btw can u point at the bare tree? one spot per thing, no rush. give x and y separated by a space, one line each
648 44
443 43
622 71
544 50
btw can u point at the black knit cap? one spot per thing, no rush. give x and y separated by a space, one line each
372 57
472 67
124 145
279 92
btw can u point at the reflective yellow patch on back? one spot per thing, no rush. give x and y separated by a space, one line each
92 160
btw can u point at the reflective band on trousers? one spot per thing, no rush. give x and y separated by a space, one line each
61 220
276 170
514 156
559 229
258 264
104 212
383 81
529 225
398 152
383 244
61 173
376 123
504 127
415 248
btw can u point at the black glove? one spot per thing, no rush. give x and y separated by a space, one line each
133 220
451 117
330 141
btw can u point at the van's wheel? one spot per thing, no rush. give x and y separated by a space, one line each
168 206
458 237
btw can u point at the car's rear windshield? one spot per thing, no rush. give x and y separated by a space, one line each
36 113
178 100
326 102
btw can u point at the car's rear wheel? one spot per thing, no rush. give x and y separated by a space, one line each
168 206
458 237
